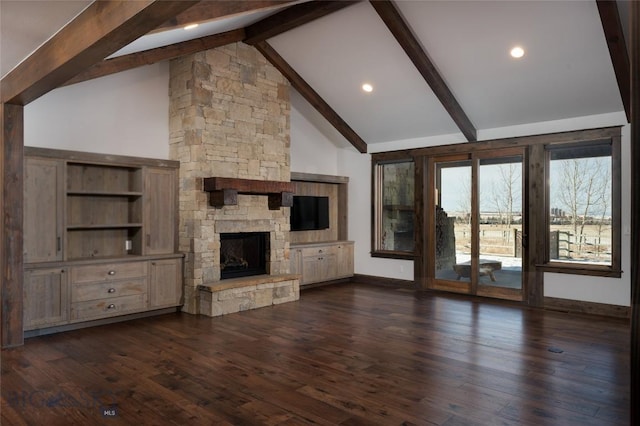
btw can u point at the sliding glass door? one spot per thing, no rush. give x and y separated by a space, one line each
477 224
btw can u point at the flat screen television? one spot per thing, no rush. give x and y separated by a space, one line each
309 213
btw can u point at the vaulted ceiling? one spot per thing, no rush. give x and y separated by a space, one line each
436 67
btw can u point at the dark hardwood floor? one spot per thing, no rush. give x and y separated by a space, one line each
344 354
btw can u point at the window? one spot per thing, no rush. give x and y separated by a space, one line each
583 200
394 209
521 187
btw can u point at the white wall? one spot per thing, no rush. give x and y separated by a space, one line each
124 114
576 287
311 151
127 114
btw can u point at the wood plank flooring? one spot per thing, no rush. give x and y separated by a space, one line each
348 354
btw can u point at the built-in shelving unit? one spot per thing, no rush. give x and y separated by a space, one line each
100 237
323 255
104 210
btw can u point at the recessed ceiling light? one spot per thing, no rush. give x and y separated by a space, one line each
367 87
190 26
517 52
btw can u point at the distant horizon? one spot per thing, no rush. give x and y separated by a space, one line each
456 182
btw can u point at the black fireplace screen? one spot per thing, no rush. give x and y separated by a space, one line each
243 254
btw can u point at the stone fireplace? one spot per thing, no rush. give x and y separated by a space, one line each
229 118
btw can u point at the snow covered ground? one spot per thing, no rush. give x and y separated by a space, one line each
509 263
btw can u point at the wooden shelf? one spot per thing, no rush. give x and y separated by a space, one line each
105 193
104 226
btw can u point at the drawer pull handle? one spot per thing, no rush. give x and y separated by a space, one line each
111 306
111 272
111 290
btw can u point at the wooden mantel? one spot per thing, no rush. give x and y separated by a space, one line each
224 191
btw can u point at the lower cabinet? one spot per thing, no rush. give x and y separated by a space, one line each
84 292
165 283
320 262
318 268
45 301
104 290
344 260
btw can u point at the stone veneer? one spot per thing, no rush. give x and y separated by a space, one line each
229 117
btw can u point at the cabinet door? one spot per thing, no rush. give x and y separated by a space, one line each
165 284
344 261
45 297
160 203
43 188
295 260
318 268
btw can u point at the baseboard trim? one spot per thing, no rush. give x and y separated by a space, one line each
383 281
550 303
325 283
582 307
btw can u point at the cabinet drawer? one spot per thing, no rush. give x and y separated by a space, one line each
319 251
101 290
108 307
108 271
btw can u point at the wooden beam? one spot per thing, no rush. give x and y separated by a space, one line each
148 57
224 191
634 402
311 96
11 202
403 34
290 18
610 18
533 244
209 10
247 186
100 30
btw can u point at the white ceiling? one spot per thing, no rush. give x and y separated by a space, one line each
566 71
26 24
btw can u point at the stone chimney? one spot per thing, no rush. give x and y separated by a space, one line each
229 117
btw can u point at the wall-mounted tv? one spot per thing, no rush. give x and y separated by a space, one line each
309 213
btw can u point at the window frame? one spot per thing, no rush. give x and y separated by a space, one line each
536 238
614 269
377 187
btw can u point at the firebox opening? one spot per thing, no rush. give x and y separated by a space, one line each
243 254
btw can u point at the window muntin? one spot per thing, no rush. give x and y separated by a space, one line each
394 212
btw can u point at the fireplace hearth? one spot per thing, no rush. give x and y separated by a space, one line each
243 254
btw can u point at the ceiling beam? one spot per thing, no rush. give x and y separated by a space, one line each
210 10
614 35
100 30
311 95
291 18
151 56
403 34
